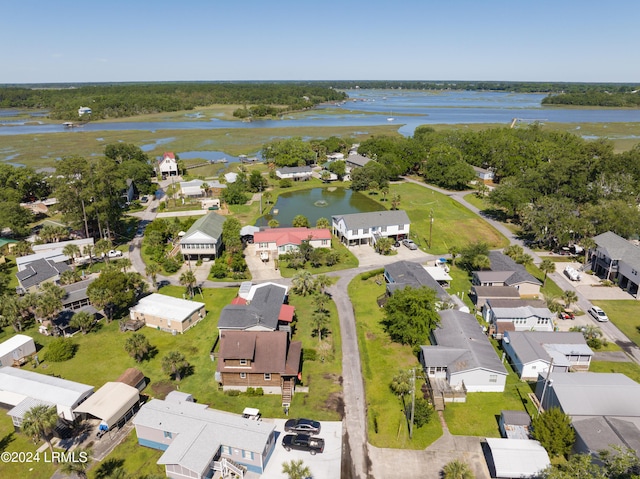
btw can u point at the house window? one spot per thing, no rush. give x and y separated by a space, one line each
493 378
168 434
383 229
267 376
325 242
243 362
226 450
247 455
264 245
243 375
400 227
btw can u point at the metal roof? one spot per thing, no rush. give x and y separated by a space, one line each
111 402
168 307
535 345
210 224
41 386
201 431
15 342
25 405
517 457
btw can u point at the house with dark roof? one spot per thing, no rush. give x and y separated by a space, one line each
517 315
199 442
265 359
76 295
38 272
204 238
617 259
514 424
356 161
483 173
262 308
506 272
367 228
532 353
295 173
461 359
603 408
401 274
480 294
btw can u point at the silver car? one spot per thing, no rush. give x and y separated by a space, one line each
409 244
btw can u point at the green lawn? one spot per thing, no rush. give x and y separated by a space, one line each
453 224
381 361
629 369
11 441
348 261
137 461
625 314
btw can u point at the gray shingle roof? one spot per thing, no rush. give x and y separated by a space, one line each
406 273
357 160
619 248
516 418
374 219
201 431
501 262
496 291
40 271
263 310
285 170
533 345
460 331
76 291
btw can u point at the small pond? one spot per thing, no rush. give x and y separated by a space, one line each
318 203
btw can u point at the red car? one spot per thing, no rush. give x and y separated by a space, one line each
566 314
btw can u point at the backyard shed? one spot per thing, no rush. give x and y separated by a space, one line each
511 458
16 349
111 403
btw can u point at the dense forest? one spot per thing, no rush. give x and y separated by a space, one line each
616 99
124 100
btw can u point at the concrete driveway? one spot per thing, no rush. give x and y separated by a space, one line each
260 270
367 256
323 466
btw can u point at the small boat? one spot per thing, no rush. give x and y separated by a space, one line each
68 124
390 118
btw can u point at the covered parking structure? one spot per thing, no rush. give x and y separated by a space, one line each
114 404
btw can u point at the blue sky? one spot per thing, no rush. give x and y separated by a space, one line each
560 40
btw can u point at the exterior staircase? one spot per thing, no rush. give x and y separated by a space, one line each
287 391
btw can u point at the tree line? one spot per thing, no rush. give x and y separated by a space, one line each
614 99
124 100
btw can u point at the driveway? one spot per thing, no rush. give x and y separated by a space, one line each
323 466
367 256
260 270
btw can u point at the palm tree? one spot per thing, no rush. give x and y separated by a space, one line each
124 263
69 276
137 346
78 466
322 281
481 262
100 298
323 223
320 301
296 469
205 188
23 248
588 244
174 363
547 266
552 304
188 279
569 297
11 312
513 251
319 321
303 283
457 469
152 270
267 196
395 201
71 250
273 223
384 191
39 422
102 247
88 251
83 321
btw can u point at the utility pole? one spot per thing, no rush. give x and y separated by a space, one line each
544 388
413 401
430 227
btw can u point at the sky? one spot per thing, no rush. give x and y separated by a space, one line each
215 40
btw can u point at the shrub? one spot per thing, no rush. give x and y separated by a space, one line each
371 274
309 354
171 265
255 392
199 262
219 270
259 392
286 183
232 393
60 349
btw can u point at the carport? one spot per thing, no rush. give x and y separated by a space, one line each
114 403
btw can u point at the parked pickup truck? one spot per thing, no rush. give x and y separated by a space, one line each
572 273
303 442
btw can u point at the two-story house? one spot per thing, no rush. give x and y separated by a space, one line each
516 315
506 272
367 228
168 165
617 259
204 238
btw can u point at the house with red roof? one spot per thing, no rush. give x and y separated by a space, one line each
168 165
275 241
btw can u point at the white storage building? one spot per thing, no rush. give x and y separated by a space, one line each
112 403
16 349
167 313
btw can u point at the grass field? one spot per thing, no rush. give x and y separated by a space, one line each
381 361
629 369
348 261
625 315
453 224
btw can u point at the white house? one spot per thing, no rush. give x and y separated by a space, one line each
276 241
204 238
168 165
531 352
84 110
462 355
517 315
296 173
167 313
192 188
483 174
367 228
22 389
16 349
335 157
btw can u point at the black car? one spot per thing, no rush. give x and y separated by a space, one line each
303 442
306 426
